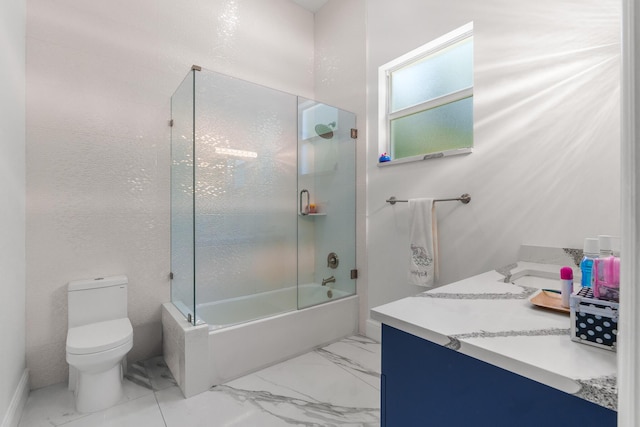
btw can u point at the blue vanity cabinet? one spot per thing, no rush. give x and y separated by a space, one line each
425 384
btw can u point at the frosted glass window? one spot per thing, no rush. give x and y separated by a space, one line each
439 74
438 129
426 99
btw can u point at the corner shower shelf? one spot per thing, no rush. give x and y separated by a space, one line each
314 214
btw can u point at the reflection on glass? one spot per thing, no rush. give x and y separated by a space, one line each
245 181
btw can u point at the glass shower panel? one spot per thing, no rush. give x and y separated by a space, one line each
244 199
182 232
327 209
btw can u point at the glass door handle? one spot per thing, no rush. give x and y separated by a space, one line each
305 210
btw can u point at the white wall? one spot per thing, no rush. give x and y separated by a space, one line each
545 166
340 80
100 78
12 194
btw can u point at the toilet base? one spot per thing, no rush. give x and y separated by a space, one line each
95 391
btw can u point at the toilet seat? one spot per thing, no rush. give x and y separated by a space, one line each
96 362
99 337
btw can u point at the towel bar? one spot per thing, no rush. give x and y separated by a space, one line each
465 198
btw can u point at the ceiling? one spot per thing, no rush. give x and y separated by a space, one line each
311 5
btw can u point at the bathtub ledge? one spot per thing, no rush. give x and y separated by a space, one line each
186 351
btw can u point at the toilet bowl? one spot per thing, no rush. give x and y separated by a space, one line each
99 337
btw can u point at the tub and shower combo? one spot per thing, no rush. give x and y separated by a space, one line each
262 228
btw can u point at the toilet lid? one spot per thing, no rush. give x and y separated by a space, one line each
101 336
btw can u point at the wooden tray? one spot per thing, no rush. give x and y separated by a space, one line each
550 300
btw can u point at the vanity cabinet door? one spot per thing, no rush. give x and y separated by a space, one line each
425 384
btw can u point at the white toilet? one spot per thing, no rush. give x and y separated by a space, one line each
99 337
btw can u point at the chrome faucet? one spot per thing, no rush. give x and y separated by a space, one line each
329 280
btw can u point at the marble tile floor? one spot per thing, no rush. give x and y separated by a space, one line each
337 385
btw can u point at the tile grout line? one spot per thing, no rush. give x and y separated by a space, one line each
155 391
155 395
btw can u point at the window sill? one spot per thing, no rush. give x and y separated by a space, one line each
420 158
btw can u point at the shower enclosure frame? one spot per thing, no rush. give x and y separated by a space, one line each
213 154
320 136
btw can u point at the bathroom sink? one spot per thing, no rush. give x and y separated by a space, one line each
548 283
538 276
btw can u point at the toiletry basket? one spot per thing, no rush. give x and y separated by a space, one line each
593 321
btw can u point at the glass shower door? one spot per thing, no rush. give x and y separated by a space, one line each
326 203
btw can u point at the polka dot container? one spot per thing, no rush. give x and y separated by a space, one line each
593 321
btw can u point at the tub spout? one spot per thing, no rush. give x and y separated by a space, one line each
329 280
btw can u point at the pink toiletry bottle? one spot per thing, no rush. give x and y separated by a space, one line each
566 282
606 272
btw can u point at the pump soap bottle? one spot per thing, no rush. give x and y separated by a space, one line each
591 251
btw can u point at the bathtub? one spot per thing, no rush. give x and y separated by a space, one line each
232 311
224 346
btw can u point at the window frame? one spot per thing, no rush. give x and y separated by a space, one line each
384 98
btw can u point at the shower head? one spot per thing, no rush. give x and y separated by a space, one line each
325 131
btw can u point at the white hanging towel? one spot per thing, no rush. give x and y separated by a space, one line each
423 242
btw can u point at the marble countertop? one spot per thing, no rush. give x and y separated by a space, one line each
489 317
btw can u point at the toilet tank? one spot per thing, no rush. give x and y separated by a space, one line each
97 300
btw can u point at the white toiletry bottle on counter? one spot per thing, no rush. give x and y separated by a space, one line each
566 285
605 246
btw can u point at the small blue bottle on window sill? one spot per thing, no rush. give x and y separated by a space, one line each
384 157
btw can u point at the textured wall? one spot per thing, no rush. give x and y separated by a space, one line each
100 76
12 194
340 80
545 166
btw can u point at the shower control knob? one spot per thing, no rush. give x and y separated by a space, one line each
332 260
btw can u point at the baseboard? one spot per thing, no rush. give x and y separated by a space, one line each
374 330
14 411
